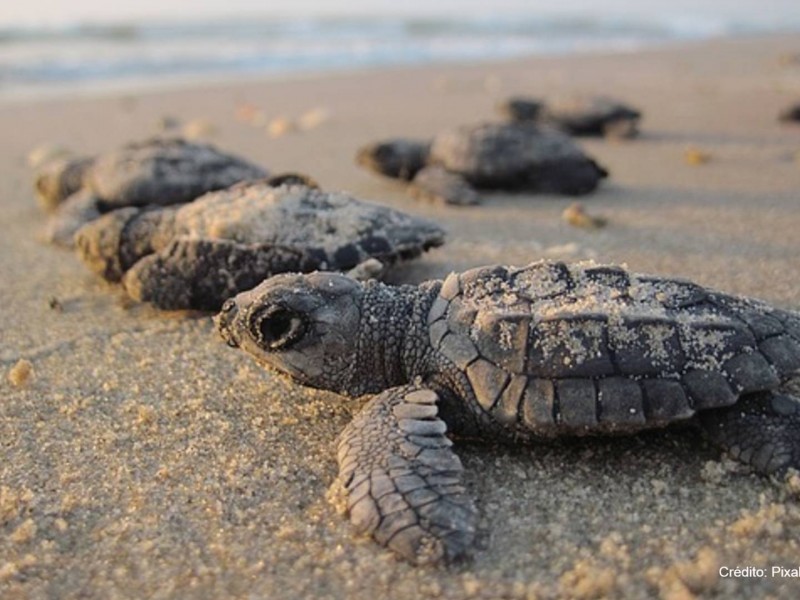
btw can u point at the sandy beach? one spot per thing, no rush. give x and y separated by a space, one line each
142 458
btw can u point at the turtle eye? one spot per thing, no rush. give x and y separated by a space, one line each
278 328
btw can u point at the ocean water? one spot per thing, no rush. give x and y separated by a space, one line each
36 59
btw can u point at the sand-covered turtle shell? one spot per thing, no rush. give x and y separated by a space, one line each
164 171
591 115
585 348
503 155
346 230
576 114
154 172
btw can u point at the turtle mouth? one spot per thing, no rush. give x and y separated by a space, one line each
224 320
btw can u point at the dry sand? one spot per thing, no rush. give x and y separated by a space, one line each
141 458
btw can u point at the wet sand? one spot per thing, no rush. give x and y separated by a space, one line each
142 458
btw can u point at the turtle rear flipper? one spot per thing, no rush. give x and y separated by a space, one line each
762 430
403 481
202 273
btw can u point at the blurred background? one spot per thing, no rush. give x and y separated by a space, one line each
52 45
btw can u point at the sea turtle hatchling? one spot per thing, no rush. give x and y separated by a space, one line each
517 355
493 156
579 115
201 253
157 171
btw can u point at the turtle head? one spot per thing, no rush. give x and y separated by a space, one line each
306 326
399 158
59 178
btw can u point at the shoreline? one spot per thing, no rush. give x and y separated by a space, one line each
144 458
77 91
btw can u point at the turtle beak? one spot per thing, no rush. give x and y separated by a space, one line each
224 321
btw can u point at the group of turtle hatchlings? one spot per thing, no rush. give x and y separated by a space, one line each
517 355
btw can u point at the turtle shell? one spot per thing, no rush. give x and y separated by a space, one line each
164 171
338 229
554 349
502 155
587 114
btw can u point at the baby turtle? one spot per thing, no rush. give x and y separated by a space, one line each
517 355
494 156
156 171
199 254
576 115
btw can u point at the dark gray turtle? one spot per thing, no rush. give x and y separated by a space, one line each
495 156
576 114
199 254
156 171
518 355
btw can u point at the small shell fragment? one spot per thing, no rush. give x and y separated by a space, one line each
695 156
313 118
250 113
280 126
575 214
199 129
21 373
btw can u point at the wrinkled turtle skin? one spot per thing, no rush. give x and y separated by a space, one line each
199 254
577 115
455 164
157 171
518 355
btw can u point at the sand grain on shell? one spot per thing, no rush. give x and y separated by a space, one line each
553 301
294 217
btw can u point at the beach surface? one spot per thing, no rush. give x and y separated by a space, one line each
142 458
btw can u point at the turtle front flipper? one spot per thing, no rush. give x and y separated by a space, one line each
402 479
437 184
203 273
762 430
